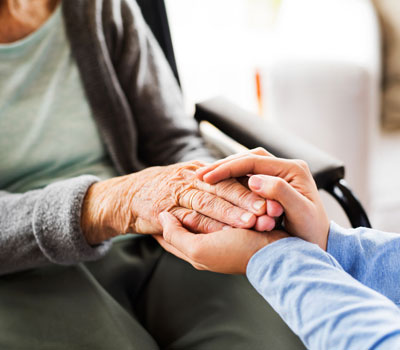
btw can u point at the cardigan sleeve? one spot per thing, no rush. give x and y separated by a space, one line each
43 226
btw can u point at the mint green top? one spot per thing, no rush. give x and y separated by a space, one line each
47 132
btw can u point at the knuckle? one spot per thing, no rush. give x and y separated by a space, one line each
301 165
278 186
243 198
225 187
229 212
191 219
259 151
202 199
178 212
189 167
185 172
197 163
244 195
222 208
207 224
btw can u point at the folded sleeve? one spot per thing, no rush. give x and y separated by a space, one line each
370 256
43 226
325 306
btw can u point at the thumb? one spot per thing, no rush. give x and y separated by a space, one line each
176 235
168 220
171 226
276 188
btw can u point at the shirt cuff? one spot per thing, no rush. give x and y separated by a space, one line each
270 254
56 222
339 245
280 252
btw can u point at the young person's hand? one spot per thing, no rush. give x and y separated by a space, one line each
288 182
225 251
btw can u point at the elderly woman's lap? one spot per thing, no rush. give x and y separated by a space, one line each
137 297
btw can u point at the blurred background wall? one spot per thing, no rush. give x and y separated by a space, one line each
219 46
328 70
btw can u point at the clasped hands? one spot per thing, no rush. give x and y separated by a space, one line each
207 215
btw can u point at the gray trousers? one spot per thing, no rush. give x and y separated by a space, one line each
137 297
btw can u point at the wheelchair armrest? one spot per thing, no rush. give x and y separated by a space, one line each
251 131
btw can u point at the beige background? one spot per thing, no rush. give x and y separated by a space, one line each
389 13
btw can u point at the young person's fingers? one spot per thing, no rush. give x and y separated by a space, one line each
178 237
260 151
222 251
250 164
209 167
274 209
264 223
171 249
205 169
277 189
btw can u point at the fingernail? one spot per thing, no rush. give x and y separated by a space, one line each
255 182
258 204
226 227
246 217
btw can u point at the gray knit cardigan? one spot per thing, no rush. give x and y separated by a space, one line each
139 111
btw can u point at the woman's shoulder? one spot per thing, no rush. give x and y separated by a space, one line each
107 19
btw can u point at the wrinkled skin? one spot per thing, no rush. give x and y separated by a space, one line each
133 202
287 182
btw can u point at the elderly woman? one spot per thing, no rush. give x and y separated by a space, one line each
86 98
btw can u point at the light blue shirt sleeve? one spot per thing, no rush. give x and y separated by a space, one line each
325 306
370 256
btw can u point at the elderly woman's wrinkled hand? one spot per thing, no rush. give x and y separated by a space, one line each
133 202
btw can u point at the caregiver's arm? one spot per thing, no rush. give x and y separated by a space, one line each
324 305
370 256
319 301
288 182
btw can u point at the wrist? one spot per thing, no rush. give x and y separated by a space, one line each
318 235
93 215
323 241
86 217
267 254
265 239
